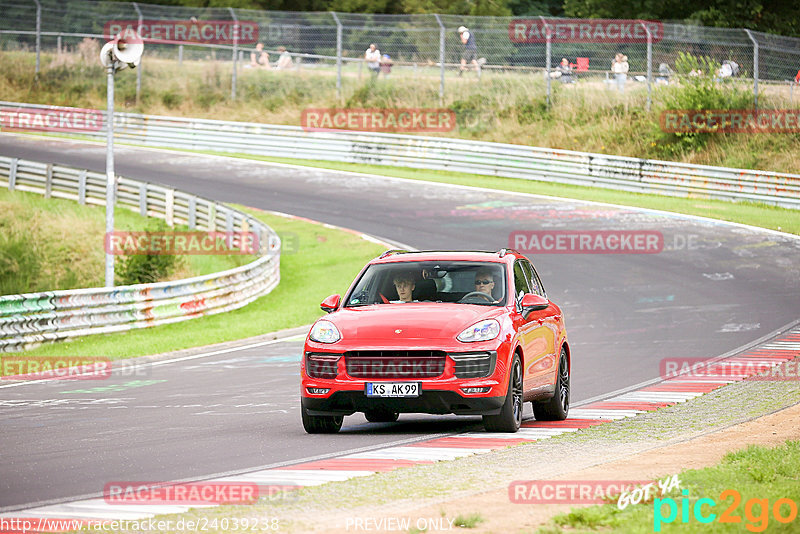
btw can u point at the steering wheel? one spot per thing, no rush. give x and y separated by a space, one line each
488 298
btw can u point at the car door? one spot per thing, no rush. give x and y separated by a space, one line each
534 336
551 320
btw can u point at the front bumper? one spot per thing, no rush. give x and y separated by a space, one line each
430 401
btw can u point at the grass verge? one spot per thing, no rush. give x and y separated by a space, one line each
751 485
325 262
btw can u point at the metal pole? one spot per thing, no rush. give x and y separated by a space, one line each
441 58
338 54
110 179
139 66
549 35
180 55
649 64
755 66
235 51
38 33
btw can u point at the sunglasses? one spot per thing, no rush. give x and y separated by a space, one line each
483 282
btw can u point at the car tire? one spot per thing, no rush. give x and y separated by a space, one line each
320 424
557 408
381 416
510 417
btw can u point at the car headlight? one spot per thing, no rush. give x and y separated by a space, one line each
325 332
482 331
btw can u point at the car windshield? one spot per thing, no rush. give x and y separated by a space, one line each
465 282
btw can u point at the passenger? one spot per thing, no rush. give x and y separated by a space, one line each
404 283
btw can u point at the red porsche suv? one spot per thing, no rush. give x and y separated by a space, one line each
469 333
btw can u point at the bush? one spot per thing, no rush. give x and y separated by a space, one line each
146 268
697 88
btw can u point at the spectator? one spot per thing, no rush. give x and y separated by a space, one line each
284 60
797 78
386 65
373 58
664 74
620 69
565 71
259 57
470 54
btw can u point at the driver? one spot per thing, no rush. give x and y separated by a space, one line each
484 282
404 283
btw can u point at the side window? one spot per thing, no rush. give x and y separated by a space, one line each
520 280
533 277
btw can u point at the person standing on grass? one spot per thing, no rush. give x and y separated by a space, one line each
620 69
470 54
373 58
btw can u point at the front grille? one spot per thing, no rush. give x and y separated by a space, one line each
322 365
395 363
474 364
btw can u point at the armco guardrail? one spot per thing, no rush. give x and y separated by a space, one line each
30 319
439 153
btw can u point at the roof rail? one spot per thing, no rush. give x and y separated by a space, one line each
390 252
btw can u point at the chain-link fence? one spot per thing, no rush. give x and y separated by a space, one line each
417 45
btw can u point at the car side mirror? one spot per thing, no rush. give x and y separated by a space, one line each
330 304
532 302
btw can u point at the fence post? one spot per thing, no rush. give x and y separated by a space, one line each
755 66
180 55
143 199
12 174
82 187
192 212
139 66
549 33
48 180
235 51
441 58
338 54
38 33
649 63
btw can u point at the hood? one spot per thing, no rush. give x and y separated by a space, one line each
415 321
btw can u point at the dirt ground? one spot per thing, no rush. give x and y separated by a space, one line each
500 515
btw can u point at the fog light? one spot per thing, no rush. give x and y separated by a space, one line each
474 391
317 391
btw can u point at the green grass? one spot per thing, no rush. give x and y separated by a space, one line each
468 521
761 215
326 262
754 472
49 244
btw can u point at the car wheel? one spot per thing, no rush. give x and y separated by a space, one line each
557 408
510 417
381 416
320 424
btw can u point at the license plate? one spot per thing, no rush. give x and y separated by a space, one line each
393 389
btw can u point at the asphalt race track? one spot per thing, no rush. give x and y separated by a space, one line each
714 288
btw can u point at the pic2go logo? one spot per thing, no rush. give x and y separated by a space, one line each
783 511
